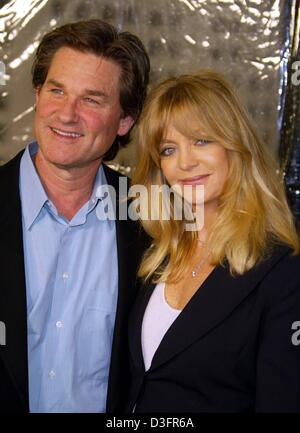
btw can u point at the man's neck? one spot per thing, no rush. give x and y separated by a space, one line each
68 189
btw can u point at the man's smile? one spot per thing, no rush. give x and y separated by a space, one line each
71 134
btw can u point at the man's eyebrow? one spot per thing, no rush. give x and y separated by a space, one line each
90 92
54 83
99 93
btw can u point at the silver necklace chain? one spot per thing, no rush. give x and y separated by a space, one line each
199 265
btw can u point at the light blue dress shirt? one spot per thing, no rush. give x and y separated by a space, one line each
72 287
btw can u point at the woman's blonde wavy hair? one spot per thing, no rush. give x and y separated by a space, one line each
253 213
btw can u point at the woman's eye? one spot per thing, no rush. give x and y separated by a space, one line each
202 142
166 151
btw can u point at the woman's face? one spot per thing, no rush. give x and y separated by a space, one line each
194 162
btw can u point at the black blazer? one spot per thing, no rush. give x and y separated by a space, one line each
230 349
13 356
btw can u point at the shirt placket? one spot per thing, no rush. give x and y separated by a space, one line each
57 327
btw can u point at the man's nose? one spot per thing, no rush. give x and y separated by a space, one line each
68 111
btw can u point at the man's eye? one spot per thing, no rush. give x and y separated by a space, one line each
57 91
91 101
167 151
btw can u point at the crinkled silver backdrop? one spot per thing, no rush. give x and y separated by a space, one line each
251 41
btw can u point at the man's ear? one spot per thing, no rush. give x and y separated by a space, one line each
37 92
125 124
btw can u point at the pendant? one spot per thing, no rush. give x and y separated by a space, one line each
193 274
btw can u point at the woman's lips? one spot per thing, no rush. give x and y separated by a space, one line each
196 180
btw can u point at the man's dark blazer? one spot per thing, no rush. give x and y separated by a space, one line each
13 355
231 348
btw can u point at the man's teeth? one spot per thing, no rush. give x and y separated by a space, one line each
66 134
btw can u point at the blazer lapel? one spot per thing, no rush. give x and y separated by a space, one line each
129 248
219 295
135 325
12 280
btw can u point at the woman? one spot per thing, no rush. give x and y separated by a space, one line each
214 328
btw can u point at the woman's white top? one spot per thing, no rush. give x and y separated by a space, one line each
158 318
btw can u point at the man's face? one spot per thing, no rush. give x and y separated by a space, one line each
78 112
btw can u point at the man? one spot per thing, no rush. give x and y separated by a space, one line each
67 276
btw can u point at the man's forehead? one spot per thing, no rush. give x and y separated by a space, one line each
86 57
95 71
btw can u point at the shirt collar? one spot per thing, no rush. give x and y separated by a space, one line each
33 195
100 180
94 201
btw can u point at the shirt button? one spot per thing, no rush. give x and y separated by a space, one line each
59 324
65 275
51 374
